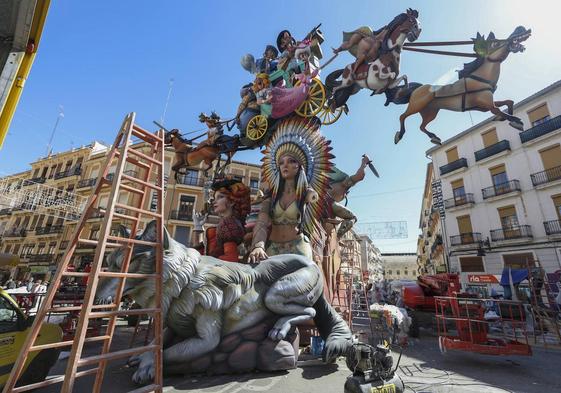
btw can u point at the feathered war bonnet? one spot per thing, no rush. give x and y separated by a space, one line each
300 138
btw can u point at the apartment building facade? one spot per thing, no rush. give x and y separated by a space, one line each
38 234
400 266
431 257
501 190
371 259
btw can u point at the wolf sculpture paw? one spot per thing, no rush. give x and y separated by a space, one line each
279 331
146 370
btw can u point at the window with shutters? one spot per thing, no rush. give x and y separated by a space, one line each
508 217
490 137
557 203
459 191
551 157
498 175
518 261
452 155
538 115
471 264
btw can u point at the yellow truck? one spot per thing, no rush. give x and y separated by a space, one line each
14 328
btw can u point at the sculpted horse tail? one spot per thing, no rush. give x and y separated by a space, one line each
333 330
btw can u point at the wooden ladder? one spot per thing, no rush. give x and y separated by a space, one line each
150 178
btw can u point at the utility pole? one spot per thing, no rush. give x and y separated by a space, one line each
58 119
170 87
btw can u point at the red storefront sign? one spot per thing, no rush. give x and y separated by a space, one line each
482 279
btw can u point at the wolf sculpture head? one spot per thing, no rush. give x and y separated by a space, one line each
178 266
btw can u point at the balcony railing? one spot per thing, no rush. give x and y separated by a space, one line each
541 129
15 232
190 181
32 181
514 232
63 245
40 257
552 227
492 150
183 215
546 176
49 229
69 172
459 200
465 238
501 188
459 163
87 182
6 211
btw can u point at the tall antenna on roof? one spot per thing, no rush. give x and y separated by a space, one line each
58 119
170 87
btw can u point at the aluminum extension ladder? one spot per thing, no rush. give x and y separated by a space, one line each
150 178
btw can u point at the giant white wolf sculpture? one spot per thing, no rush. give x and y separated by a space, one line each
206 299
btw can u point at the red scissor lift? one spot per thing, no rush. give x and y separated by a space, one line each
485 326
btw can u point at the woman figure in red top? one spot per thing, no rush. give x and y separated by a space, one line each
232 204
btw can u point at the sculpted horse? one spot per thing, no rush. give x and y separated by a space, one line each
214 311
188 156
473 91
378 54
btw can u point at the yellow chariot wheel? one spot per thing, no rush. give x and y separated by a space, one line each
256 127
315 101
328 116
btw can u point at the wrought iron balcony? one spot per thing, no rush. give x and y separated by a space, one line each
87 182
6 211
32 181
501 188
49 229
459 200
69 172
183 215
552 227
15 232
40 257
465 238
459 163
541 129
492 150
513 232
546 176
190 181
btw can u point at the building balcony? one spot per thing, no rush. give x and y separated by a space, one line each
190 181
69 172
86 182
182 215
492 150
63 244
547 176
49 229
32 181
6 211
501 189
40 257
552 227
465 239
459 200
514 232
454 165
541 129
15 232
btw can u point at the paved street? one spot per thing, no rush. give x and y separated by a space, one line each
423 369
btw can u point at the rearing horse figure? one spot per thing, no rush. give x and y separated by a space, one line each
377 58
187 156
473 91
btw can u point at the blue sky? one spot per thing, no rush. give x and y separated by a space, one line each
103 59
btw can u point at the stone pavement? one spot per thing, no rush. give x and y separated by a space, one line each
423 369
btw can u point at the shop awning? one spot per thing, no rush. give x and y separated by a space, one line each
9 260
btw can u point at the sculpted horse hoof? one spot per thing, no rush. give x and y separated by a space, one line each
517 124
436 140
397 138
